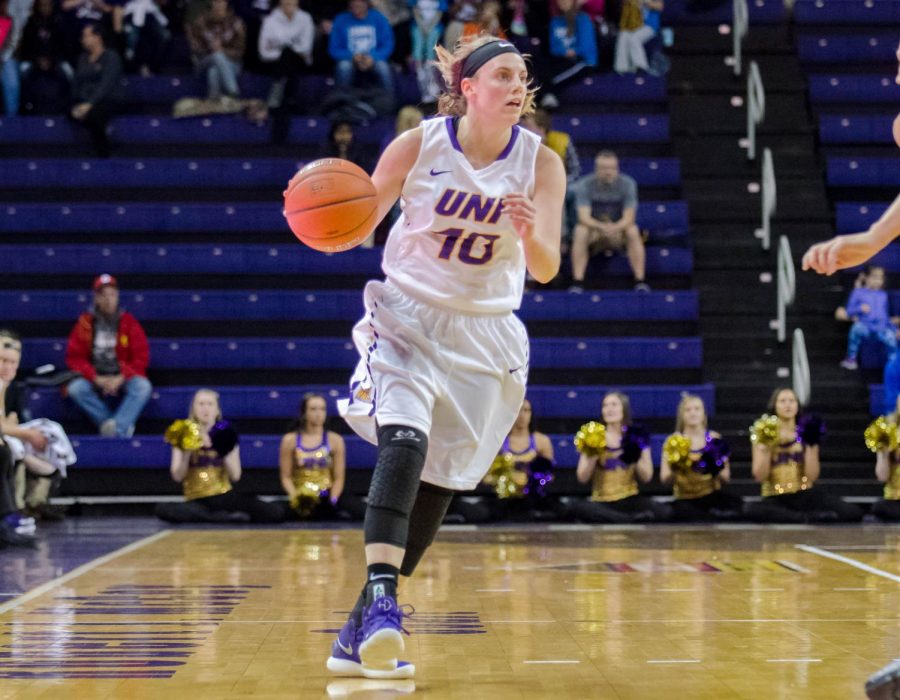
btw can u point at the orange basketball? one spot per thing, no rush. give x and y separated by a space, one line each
330 205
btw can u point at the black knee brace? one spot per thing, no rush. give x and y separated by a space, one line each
424 521
392 493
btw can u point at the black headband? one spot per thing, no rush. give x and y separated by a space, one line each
482 55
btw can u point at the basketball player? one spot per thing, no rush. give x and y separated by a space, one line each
840 253
444 360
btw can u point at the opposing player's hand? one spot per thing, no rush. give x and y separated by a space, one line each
520 210
840 253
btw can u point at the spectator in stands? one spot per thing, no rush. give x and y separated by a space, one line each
253 13
97 87
487 21
638 24
16 530
40 448
701 469
323 14
109 349
206 472
361 43
399 16
76 15
786 464
146 34
615 471
607 204
887 471
313 466
868 309
342 144
426 32
573 51
9 69
461 12
217 39
286 47
46 76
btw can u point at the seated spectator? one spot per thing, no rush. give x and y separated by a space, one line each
109 349
639 24
323 14
487 21
607 203
40 448
146 34
217 39
97 87
399 16
253 13
615 469
16 530
46 77
786 464
206 460
76 14
868 309
313 465
701 469
361 42
573 51
426 31
285 48
887 467
342 143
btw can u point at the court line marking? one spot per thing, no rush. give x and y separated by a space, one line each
850 562
495 590
674 661
675 590
863 547
585 590
760 590
793 661
855 589
83 569
556 661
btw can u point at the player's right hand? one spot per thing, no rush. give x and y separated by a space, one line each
840 253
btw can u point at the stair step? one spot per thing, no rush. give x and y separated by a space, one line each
705 73
690 114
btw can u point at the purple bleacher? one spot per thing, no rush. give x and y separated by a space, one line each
647 401
217 129
759 12
647 172
873 47
851 217
876 399
614 128
857 88
847 12
339 353
856 128
610 87
239 216
291 259
864 172
40 130
166 89
344 305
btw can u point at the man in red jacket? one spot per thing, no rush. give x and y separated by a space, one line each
109 349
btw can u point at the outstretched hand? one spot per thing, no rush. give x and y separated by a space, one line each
841 252
520 210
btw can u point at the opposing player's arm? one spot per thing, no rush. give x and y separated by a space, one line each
393 167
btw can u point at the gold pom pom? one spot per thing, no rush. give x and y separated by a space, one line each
507 481
185 435
590 439
307 498
881 435
764 430
677 450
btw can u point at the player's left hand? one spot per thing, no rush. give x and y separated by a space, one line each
840 253
520 210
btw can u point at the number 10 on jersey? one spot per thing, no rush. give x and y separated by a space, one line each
473 248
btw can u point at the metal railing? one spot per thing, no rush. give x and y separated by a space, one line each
739 26
769 198
756 107
786 286
800 368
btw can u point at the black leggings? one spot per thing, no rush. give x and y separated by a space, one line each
228 507
810 506
887 510
718 505
7 481
634 509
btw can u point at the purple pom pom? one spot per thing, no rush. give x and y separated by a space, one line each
810 430
634 442
714 458
223 437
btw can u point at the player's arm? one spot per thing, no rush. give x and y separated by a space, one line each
393 167
538 220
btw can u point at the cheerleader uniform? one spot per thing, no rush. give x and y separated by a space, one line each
889 507
313 478
789 497
210 498
699 494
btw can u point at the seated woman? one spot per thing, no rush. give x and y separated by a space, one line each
615 467
786 464
696 458
881 438
312 464
205 461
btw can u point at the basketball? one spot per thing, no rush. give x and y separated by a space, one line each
330 205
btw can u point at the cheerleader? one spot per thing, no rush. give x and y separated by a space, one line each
696 458
786 464
205 461
312 463
614 464
881 438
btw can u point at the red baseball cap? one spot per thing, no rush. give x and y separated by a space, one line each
104 280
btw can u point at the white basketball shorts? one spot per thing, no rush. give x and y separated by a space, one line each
460 378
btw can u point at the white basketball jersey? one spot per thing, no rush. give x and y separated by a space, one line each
451 245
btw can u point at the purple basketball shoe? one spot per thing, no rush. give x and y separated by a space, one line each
345 661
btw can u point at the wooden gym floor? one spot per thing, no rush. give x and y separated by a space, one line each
624 613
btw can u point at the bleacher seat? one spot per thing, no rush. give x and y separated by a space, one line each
331 305
758 11
856 128
847 12
864 172
851 217
647 172
336 353
855 88
847 48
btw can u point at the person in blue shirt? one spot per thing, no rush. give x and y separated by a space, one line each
868 309
573 50
361 42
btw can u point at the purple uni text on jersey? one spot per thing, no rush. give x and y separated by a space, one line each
469 205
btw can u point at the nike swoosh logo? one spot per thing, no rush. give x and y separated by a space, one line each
504 44
435 173
513 371
347 650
